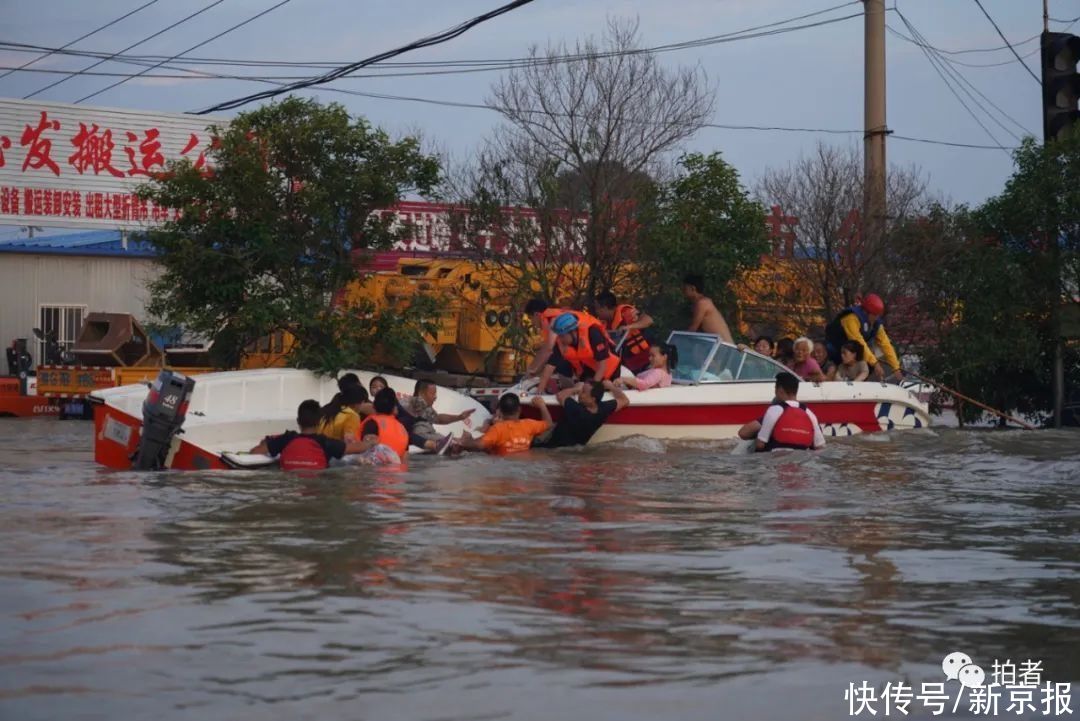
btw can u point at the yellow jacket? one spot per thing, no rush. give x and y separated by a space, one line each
345 426
850 324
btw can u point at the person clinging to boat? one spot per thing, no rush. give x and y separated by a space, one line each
864 323
342 415
787 423
508 432
421 406
307 449
626 318
384 440
583 351
584 411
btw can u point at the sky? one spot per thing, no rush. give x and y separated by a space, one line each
811 78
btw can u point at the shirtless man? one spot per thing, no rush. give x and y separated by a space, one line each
707 318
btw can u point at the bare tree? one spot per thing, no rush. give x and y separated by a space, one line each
586 128
823 191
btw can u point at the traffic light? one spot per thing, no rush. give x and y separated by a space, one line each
1061 85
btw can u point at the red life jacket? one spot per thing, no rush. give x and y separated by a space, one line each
392 433
635 346
581 356
794 429
303 453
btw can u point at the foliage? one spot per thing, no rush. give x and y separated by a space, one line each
998 281
702 221
267 240
580 147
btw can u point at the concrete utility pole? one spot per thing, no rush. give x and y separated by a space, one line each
874 203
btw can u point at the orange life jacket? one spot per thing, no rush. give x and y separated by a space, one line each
793 429
392 433
580 356
635 344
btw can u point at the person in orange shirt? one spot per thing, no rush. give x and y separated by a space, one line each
510 433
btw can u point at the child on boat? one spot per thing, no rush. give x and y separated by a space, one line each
663 358
852 366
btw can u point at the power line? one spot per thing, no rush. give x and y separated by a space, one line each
482 66
942 73
1018 58
193 47
346 69
81 37
129 47
953 61
957 75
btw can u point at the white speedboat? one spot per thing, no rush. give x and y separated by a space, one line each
228 413
716 388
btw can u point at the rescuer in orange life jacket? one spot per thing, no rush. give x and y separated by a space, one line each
786 423
542 315
583 350
623 316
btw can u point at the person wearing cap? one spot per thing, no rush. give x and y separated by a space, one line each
863 323
542 315
583 350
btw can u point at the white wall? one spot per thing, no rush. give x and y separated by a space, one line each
106 284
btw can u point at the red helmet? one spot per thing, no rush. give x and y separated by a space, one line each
873 304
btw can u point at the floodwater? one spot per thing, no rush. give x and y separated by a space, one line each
637 581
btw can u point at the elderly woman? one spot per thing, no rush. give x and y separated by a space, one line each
803 364
821 355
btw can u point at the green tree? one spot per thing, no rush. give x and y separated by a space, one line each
270 237
702 221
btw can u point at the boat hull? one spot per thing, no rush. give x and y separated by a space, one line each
231 412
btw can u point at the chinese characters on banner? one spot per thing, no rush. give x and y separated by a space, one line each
73 166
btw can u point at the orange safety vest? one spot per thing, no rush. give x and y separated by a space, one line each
392 433
580 356
635 344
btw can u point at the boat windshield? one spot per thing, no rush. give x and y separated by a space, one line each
704 358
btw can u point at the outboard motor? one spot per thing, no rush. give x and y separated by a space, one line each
20 363
163 415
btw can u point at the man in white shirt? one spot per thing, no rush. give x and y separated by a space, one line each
786 423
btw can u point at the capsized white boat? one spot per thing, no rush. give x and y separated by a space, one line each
230 412
716 388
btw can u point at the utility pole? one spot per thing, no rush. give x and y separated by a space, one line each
876 126
1046 16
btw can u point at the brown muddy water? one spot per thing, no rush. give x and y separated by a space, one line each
636 581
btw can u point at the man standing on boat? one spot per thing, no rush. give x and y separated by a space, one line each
583 350
706 316
625 317
863 323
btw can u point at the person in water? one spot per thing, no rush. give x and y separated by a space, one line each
852 366
864 324
341 416
509 433
384 440
625 317
421 406
583 350
307 449
786 423
662 361
706 316
376 384
584 411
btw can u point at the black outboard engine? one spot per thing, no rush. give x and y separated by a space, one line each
163 415
19 362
